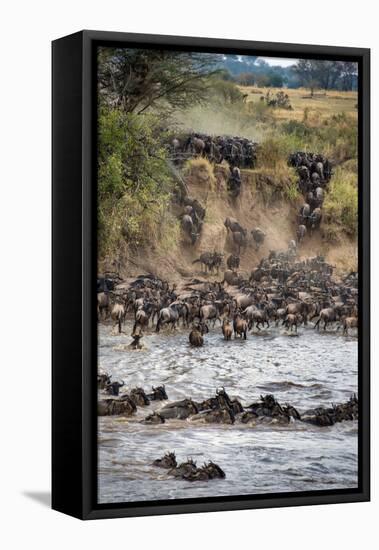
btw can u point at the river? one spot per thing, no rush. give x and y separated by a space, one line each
308 370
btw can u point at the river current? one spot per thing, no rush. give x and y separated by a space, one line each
307 370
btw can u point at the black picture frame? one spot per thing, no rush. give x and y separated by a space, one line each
74 265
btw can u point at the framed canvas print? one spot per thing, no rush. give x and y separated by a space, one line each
210 275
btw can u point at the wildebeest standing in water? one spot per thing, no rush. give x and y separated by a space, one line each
167 315
227 329
118 315
239 326
196 335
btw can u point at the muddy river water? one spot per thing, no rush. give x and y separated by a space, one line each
308 370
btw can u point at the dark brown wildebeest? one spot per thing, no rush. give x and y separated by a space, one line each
233 262
154 418
189 228
239 239
231 277
167 461
315 219
179 409
102 380
122 405
196 335
139 397
158 393
103 303
113 388
258 236
215 416
234 226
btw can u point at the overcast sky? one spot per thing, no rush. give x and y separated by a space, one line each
282 61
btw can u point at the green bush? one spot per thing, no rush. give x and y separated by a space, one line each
134 180
341 202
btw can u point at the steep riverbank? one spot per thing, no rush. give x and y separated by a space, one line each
267 200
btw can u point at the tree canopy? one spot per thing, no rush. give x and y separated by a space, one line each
138 79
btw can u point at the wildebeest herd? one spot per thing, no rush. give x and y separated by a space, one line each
237 151
282 288
315 172
217 409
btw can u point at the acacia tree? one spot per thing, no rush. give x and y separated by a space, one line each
325 74
137 79
349 73
308 74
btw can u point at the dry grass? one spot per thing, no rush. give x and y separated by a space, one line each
316 109
200 170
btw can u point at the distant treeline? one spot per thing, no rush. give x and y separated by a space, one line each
313 74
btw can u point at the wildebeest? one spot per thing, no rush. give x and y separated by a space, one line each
301 232
211 312
257 316
167 461
328 315
158 393
231 277
142 316
167 315
102 380
119 406
210 260
292 320
139 397
179 409
113 388
196 335
349 322
118 315
184 469
215 416
154 418
239 326
292 247
103 303
209 470
189 227
233 262
197 146
227 329
239 239
234 226
315 219
258 236
304 213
